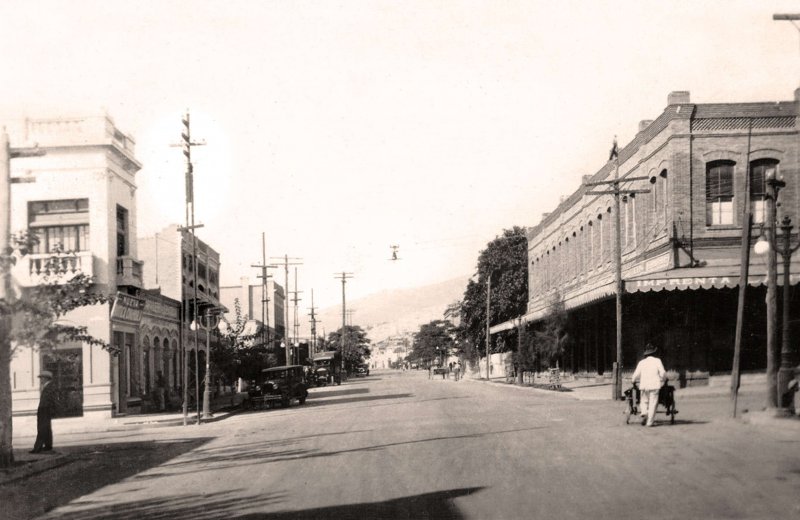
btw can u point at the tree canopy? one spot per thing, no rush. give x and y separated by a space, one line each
356 347
434 341
505 259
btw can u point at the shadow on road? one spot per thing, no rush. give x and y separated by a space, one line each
436 505
343 391
313 403
90 468
200 506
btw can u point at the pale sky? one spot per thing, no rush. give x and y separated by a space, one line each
342 128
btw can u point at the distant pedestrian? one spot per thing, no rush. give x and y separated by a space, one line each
44 414
457 371
652 374
159 392
430 371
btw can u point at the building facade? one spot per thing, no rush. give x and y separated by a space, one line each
79 197
251 301
170 270
680 236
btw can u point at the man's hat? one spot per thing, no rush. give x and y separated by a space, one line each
46 373
649 350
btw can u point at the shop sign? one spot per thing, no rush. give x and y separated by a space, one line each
127 308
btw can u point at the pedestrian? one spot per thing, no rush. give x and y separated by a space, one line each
45 412
159 392
652 374
430 371
457 371
460 373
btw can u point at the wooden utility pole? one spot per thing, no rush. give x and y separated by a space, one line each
344 276
6 291
296 320
186 145
286 343
265 299
616 192
313 344
488 322
744 274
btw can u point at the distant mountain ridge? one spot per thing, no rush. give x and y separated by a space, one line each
392 312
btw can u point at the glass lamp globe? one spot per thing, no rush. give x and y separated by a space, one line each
761 247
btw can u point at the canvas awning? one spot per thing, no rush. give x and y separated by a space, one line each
707 277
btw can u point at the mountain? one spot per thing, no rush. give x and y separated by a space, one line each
392 312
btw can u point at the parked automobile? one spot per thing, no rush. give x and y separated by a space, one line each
362 370
327 368
279 384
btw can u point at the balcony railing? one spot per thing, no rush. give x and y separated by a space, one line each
36 269
129 271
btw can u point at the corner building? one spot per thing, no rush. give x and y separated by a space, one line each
680 241
79 195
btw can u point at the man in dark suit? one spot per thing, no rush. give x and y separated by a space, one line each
44 414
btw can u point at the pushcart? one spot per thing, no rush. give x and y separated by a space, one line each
666 400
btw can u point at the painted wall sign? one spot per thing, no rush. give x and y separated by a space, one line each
127 308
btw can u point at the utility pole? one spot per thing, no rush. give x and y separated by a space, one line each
344 276
265 299
186 146
286 264
350 313
296 321
313 344
6 290
616 191
488 321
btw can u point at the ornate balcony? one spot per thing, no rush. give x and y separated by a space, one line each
36 269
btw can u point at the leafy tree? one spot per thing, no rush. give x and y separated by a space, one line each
435 340
356 347
552 338
505 259
239 354
34 319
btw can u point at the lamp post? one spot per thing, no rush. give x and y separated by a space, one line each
777 379
208 327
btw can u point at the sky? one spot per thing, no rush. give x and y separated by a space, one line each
341 128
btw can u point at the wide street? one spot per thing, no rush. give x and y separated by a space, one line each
397 445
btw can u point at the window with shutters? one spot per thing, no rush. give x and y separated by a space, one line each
759 171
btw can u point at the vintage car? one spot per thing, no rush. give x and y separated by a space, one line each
362 370
327 369
279 385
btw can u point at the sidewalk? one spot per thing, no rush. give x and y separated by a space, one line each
27 464
589 391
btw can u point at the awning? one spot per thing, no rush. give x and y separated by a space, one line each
707 277
724 274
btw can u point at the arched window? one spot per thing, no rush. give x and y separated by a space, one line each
759 171
719 193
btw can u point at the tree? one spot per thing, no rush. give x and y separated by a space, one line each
551 339
239 354
505 259
435 340
34 319
356 347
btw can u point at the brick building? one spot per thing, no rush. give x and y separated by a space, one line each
680 241
169 271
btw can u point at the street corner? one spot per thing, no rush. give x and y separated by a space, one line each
27 464
773 419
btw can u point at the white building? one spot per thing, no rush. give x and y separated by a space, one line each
80 194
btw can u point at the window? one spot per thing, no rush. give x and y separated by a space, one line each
719 193
60 223
122 231
759 170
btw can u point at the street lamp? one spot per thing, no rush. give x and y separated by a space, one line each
208 327
777 387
